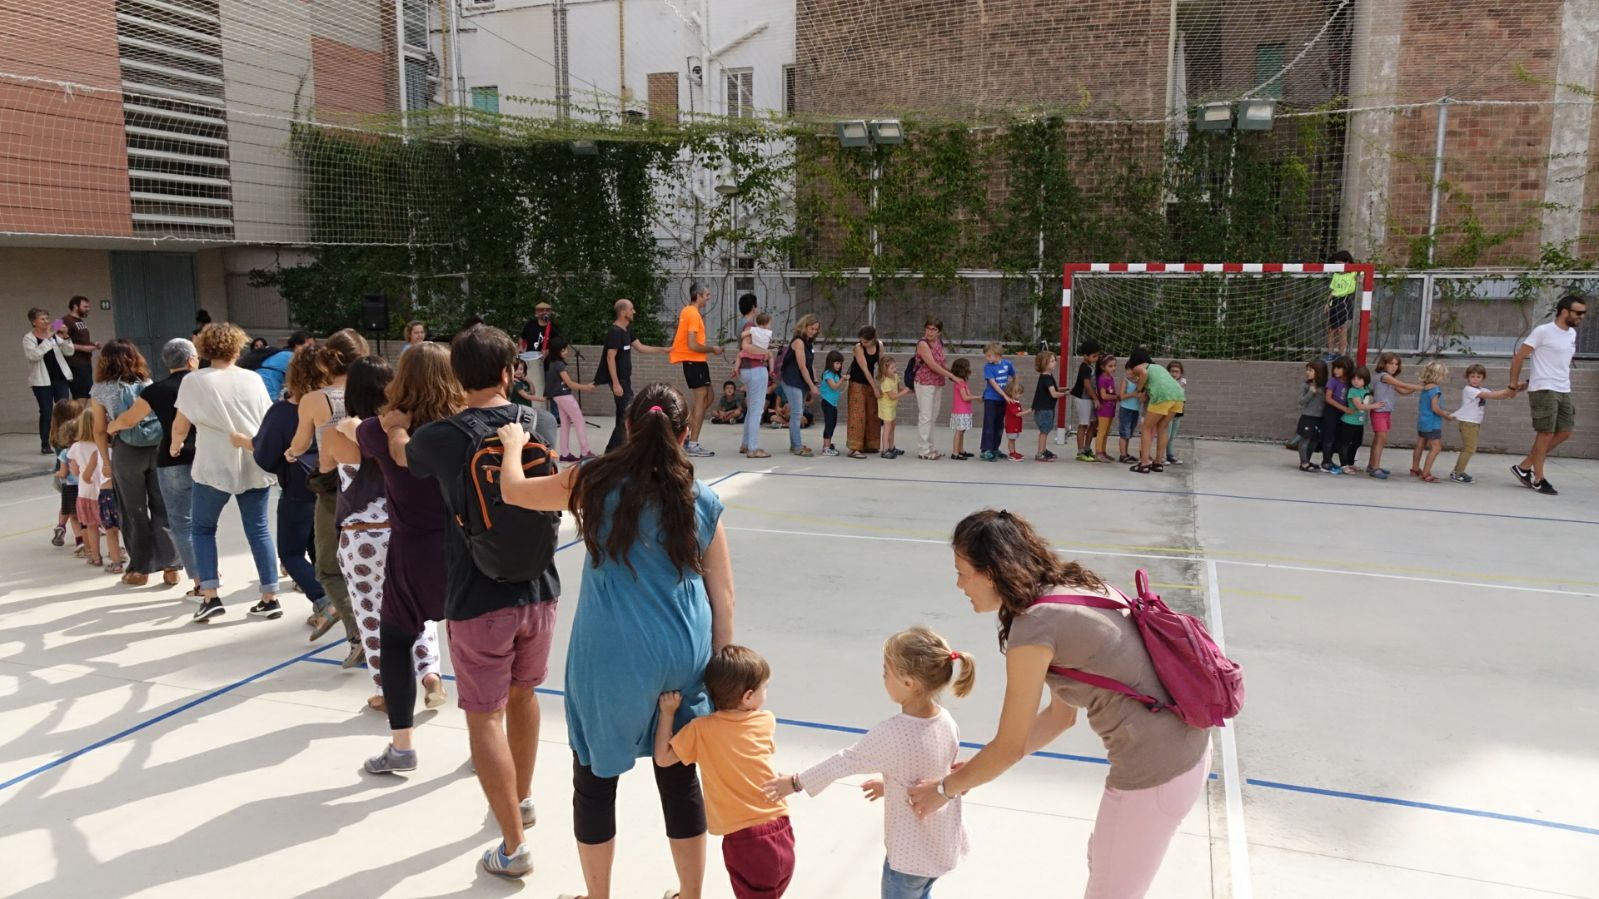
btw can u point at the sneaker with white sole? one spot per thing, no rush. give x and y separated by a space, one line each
208 610
694 449
1524 475
1460 477
392 761
517 864
1546 488
530 816
266 608
829 450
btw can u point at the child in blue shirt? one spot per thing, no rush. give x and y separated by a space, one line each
1127 417
997 375
1429 421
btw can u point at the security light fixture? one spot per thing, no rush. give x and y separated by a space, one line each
854 134
1214 117
887 131
1256 115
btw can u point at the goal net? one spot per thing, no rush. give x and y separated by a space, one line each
1247 311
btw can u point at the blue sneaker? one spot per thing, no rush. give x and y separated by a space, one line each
517 864
1380 474
1331 468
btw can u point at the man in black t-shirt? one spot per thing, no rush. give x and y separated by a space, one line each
500 633
83 346
616 368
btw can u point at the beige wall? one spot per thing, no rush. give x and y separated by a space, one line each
44 278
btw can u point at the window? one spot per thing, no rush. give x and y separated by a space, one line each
740 93
419 84
416 23
486 99
1269 61
789 104
662 99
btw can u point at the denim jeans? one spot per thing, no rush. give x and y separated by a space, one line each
993 424
208 504
177 491
754 401
47 397
796 415
295 520
905 886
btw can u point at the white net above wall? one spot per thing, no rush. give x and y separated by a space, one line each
1196 315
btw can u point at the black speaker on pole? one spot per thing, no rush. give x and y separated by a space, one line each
375 313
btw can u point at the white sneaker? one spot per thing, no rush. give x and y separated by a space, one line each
529 816
694 449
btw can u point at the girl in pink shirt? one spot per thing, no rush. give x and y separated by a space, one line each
918 744
960 409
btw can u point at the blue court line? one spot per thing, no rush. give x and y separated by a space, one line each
1429 806
1254 782
55 763
1236 496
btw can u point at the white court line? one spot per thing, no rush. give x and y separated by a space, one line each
31 499
1232 784
1198 558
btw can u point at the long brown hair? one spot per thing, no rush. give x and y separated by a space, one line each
1021 563
304 374
336 354
424 385
649 469
121 362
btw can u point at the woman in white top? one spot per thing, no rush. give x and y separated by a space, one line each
219 401
49 376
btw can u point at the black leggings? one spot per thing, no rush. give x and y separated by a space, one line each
594 803
1349 439
1309 432
399 677
1329 433
829 420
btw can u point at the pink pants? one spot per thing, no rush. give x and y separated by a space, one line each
1133 830
572 417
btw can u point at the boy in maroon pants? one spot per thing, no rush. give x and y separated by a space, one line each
733 747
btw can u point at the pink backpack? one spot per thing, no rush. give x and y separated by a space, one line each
1206 687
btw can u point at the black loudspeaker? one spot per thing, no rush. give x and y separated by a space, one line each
375 313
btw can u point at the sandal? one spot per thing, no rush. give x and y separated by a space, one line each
1141 468
116 566
1306 466
135 579
170 577
375 703
1415 472
434 696
1124 458
856 454
1157 468
800 451
1428 479
759 454
930 456
96 561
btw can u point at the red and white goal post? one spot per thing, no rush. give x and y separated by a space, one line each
1284 305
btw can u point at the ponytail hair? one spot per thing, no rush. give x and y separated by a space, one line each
335 355
925 657
648 469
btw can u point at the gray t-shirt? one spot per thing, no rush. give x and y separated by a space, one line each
1145 748
1312 400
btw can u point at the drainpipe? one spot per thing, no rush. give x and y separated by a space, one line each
1437 178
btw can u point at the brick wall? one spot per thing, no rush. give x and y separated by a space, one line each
1240 400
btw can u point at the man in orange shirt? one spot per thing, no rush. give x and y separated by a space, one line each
689 349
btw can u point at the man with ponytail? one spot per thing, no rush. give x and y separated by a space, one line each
656 602
500 632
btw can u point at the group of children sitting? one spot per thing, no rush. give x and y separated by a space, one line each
745 796
1337 398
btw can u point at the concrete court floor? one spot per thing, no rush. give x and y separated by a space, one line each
1419 721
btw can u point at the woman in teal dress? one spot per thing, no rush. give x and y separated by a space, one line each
656 600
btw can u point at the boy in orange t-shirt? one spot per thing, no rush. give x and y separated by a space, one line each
733 747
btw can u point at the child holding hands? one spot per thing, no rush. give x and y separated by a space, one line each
1473 402
733 747
920 743
1430 421
889 391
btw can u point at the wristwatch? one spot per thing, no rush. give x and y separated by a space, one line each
941 790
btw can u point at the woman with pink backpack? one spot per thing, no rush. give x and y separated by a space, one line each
1062 627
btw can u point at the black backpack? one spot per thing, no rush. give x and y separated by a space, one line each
914 364
508 543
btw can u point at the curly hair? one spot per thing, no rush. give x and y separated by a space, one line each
1006 549
121 361
649 469
424 385
303 375
220 341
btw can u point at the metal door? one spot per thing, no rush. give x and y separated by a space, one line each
154 297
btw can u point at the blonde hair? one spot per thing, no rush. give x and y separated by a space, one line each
84 426
805 322
1434 373
993 348
220 341
1044 361
64 422
1014 389
888 364
926 658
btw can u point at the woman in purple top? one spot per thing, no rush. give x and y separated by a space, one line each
424 390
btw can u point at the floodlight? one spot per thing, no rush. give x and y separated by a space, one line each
853 134
887 131
1256 115
1215 117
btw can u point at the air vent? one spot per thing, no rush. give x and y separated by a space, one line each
175 120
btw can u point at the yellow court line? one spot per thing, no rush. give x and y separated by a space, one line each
25 533
1179 551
